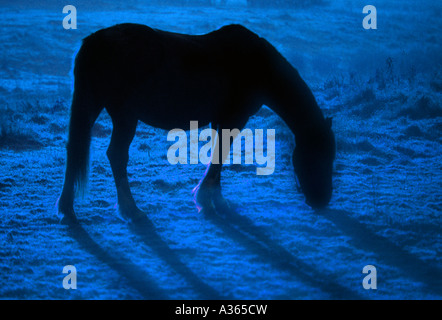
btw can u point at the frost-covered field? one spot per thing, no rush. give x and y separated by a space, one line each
383 88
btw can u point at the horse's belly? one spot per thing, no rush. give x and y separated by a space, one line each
173 104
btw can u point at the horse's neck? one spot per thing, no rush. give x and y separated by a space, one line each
292 99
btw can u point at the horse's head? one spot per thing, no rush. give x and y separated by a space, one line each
313 164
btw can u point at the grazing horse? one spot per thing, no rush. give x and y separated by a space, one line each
168 79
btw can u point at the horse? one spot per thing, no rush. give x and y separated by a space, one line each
167 79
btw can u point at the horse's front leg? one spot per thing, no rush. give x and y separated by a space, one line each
207 194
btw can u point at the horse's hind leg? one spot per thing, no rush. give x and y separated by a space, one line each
118 153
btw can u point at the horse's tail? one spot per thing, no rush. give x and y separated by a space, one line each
85 109
80 128
83 116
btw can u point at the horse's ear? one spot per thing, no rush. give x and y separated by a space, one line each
328 121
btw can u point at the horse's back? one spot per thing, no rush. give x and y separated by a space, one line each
162 73
122 52
128 47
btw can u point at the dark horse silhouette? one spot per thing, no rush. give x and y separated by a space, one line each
166 80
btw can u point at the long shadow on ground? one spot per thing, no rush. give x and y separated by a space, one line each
387 251
145 229
254 238
136 277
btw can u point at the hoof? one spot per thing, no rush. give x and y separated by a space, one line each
66 213
69 219
214 203
132 215
221 204
204 203
203 198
